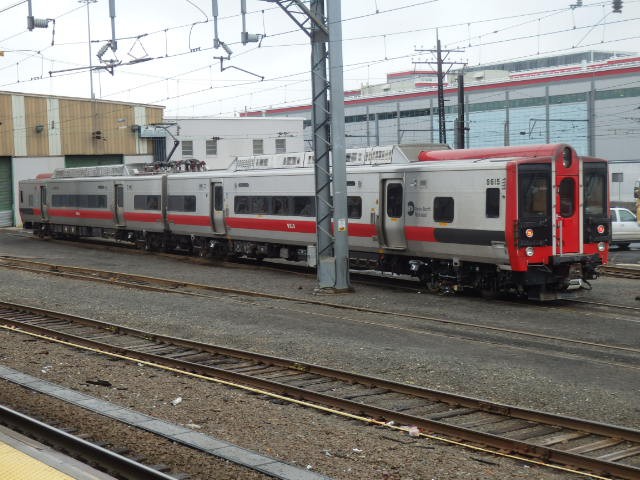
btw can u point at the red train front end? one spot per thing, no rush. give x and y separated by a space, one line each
560 224
557 225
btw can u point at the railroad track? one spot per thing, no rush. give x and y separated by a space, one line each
89 452
584 446
620 271
564 347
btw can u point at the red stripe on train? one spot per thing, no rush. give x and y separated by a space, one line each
272 225
295 226
420 234
143 217
76 213
196 220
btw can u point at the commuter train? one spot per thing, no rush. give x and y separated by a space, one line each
532 220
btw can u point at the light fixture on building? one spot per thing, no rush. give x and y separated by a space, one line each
39 128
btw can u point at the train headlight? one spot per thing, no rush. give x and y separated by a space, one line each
600 229
602 246
529 232
530 251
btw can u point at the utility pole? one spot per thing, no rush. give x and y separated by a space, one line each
460 127
93 96
328 137
439 63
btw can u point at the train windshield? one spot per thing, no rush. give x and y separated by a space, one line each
595 189
534 188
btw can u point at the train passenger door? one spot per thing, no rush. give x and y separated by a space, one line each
44 208
217 207
392 214
119 204
568 231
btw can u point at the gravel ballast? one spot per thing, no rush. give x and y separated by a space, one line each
413 351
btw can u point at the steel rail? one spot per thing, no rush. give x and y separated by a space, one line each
619 271
235 365
186 288
90 453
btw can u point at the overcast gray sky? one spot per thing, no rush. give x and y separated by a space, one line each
380 36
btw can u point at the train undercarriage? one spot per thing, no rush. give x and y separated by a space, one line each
441 276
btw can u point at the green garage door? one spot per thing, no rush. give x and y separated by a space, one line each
91 160
6 193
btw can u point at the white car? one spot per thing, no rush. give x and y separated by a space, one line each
625 228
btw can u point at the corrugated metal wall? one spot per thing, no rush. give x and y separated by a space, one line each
6 193
52 126
36 117
6 125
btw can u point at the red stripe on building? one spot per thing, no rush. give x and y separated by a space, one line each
76 213
569 77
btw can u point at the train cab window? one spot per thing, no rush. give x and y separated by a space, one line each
181 203
595 189
534 199
354 207
394 200
492 203
443 209
567 197
21 198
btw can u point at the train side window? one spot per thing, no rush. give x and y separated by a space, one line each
217 198
181 203
189 203
304 206
21 198
354 207
280 206
241 204
119 196
146 202
394 200
443 209
259 205
567 197
492 203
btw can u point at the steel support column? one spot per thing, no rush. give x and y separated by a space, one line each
338 153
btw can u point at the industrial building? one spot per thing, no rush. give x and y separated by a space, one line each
39 133
590 100
218 141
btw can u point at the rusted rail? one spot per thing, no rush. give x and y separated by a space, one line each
589 446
